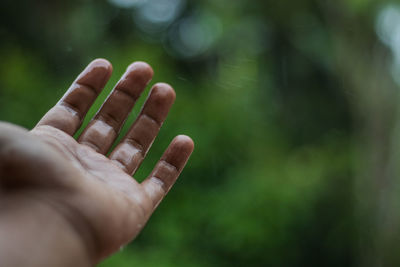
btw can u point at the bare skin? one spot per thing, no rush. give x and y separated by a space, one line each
63 202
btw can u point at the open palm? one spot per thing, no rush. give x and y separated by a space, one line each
96 194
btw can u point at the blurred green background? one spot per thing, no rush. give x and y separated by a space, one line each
293 106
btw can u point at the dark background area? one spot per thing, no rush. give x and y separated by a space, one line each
293 106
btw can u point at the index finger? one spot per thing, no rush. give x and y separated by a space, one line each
68 114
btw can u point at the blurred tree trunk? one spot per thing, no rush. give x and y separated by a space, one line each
363 64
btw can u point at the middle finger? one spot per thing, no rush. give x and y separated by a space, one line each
104 128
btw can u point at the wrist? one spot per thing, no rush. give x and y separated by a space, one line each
35 235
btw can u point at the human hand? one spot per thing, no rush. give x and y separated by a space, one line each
55 184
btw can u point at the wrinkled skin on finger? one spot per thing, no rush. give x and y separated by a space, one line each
74 179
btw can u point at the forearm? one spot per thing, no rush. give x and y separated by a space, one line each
35 235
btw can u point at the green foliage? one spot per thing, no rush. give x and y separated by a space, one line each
270 93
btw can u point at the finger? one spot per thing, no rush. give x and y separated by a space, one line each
68 114
133 148
102 131
167 170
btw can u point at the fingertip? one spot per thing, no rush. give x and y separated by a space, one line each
142 69
102 63
179 151
163 85
96 74
164 92
159 102
185 142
